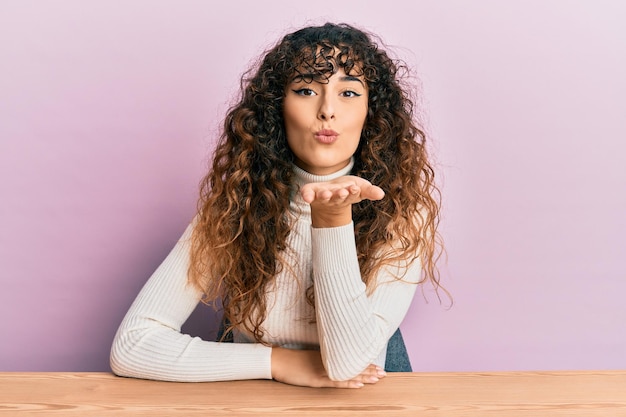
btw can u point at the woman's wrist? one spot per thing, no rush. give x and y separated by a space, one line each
274 361
335 218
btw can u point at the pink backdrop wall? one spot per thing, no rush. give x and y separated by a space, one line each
108 110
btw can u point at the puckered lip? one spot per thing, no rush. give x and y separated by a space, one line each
326 132
326 136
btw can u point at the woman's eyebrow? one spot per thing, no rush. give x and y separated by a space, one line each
352 78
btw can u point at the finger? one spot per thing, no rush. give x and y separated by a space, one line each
308 195
351 189
317 191
372 192
324 195
364 380
372 375
363 188
373 370
348 384
342 193
325 382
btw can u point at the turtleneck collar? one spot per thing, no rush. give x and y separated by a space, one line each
303 177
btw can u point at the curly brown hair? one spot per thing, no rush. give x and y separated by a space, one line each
242 224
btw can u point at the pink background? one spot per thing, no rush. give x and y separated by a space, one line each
108 110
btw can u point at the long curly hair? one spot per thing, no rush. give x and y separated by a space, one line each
243 222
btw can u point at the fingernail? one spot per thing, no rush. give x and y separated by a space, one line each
359 385
381 372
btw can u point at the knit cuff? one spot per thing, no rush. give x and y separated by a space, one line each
333 249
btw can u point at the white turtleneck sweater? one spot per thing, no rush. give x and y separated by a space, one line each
350 327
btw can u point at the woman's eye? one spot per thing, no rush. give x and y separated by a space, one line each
304 92
350 93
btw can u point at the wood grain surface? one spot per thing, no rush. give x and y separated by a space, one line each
502 394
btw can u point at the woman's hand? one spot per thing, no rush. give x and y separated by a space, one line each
305 368
331 202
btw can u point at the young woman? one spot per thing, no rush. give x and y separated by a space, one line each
316 222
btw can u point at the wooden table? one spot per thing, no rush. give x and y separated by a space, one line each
502 394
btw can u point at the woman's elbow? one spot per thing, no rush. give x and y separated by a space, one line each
119 359
124 358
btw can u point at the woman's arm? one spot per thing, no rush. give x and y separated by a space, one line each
353 327
305 367
149 343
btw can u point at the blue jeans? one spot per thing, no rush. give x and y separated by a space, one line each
397 359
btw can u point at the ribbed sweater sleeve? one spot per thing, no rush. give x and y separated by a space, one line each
354 328
149 343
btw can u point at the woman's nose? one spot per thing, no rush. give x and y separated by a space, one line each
327 109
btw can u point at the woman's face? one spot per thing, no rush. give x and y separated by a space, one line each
323 121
